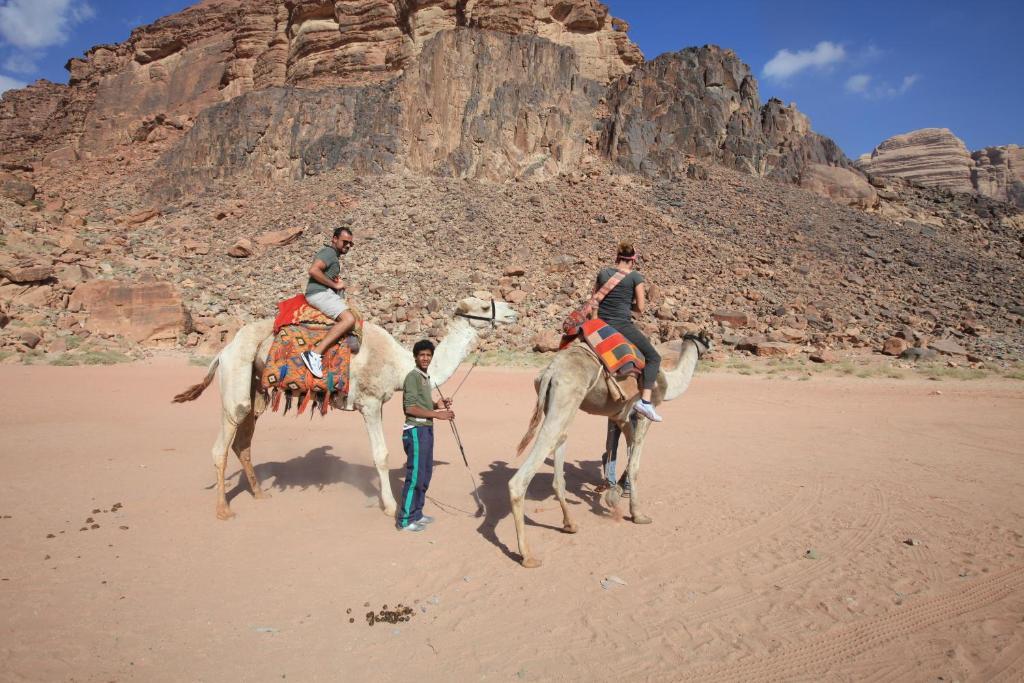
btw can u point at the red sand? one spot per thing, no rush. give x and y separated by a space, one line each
745 475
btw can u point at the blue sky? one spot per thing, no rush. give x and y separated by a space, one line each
862 71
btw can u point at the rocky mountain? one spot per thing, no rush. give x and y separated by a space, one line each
178 66
935 157
178 184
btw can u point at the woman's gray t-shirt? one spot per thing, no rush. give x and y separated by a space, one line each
617 306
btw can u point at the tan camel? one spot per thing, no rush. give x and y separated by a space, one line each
575 380
377 371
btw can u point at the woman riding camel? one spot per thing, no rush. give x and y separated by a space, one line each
617 310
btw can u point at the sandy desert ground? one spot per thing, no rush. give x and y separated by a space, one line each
745 476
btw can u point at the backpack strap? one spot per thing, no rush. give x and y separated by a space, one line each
612 283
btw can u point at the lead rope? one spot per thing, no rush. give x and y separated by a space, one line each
481 509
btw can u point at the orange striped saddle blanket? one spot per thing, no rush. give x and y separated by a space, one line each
618 355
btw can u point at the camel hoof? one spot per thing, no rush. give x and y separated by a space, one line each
390 512
531 562
224 514
261 495
642 519
570 528
612 496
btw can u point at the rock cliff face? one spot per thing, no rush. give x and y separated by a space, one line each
931 157
935 157
476 104
999 173
703 103
215 51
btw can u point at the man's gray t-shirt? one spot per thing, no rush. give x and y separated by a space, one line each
329 256
616 308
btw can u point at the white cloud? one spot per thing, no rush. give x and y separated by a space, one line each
786 64
8 83
21 63
35 24
858 83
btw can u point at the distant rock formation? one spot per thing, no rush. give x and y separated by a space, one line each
999 173
703 102
935 157
931 157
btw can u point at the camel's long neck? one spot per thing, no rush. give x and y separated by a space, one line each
680 376
452 350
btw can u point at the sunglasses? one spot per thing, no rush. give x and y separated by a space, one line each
347 243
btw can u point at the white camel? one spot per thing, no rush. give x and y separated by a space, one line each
574 380
377 371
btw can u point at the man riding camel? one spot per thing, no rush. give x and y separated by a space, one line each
325 291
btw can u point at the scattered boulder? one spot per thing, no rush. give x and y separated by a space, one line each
732 318
948 347
27 273
29 338
243 248
73 275
279 238
546 341
895 346
514 271
516 296
776 349
138 218
148 313
12 187
824 356
5 317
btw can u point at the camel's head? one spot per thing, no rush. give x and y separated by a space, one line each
482 313
701 340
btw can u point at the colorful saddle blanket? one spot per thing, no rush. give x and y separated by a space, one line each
287 377
616 352
297 311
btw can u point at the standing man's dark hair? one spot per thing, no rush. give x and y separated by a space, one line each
343 229
422 345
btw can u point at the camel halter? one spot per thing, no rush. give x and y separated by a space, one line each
493 320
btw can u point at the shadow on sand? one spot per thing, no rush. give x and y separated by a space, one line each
318 469
579 483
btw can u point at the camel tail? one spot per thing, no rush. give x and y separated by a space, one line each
196 390
538 415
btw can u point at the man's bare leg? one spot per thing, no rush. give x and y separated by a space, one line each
346 321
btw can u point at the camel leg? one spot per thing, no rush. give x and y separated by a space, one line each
549 438
243 449
374 420
567 524
636 447
220 462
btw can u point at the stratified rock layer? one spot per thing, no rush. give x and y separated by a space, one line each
931 157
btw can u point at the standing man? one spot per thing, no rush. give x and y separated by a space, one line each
325 291
418 438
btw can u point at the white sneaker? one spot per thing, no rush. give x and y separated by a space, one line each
647 410
426 519
414 526
315 362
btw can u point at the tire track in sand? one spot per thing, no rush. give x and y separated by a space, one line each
822 654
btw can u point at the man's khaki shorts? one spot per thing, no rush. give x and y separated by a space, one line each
329 303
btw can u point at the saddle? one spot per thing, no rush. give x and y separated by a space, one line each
299 327
621 360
